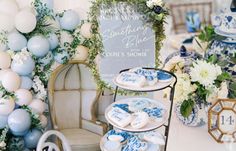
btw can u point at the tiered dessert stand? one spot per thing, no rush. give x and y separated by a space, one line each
153 125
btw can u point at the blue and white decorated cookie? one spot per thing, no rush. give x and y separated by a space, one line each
141 119
135 144
112 146
131 79
139 104
154 137
124 107
111 135
150 75
163 76
155 113
119 116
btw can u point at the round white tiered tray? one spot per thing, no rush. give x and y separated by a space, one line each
152 125
159 85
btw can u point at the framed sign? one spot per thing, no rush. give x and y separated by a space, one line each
124 35
127 41
222 120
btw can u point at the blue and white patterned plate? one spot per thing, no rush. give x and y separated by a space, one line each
223 33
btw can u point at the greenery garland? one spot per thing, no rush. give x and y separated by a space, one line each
150 16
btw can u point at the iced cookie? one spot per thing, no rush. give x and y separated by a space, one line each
119 116
139 104
141 119
135 144
131 79
112 146
163 76
154 137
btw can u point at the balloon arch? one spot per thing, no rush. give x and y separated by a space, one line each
33 42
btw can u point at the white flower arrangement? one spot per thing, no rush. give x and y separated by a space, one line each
39 88
3 138
205 73
175 64
152 3
183 87
20 57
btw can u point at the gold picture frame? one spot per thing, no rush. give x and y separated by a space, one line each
222 120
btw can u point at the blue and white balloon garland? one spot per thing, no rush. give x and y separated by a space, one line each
33 42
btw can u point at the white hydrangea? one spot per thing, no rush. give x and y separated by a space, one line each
39 89
183 87
223 91
20 57
204 73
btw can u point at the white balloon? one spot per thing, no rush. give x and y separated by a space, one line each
24 97
81 53
9 7
5 60
11 81
86 30
24 3
37 106
7 22
43 120
2 73
6 106
25 21
66 37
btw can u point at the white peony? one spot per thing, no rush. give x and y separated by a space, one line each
183 87
158 2
204 73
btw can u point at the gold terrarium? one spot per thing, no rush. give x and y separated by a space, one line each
222 120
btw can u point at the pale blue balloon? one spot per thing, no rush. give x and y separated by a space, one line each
70 20
16 41
26 83
19 122
32 137
23 69
38 45
53 40
47 59
3 121
62 56
15 133
48 3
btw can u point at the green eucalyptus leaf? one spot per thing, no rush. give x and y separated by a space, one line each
186 108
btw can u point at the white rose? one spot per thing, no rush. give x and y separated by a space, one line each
2 144
158 2
150 4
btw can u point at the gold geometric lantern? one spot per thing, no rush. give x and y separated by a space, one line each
222 120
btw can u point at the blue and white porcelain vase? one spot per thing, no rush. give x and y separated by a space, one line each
197 118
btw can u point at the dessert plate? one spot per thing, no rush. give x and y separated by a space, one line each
156 119
164 81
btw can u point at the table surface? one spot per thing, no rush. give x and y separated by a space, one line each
183 138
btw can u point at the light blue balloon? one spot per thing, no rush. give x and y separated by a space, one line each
3 121
23 69
38 45
69 20
26 83
16 41
32 137
47 59
19 122
53 41
48 3
19 133
61 56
